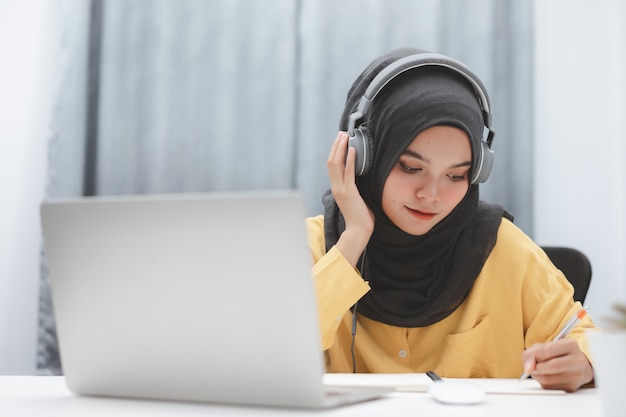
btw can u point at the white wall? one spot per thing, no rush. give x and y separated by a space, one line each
27 35
580 108
579 171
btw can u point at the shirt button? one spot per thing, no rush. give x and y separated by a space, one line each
402 353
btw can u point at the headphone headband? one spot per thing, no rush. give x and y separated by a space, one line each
415 61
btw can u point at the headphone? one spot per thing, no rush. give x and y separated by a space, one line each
360 137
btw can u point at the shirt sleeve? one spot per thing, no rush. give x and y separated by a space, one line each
553 312
548 302
338 286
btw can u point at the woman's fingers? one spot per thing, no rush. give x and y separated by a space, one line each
340 165
558 365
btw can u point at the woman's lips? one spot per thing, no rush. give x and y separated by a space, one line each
420 214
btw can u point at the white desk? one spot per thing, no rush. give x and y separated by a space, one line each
39 396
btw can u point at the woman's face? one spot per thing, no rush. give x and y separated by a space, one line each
429 179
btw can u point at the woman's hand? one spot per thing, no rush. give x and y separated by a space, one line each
558 365
358 217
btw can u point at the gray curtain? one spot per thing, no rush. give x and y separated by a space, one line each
169 96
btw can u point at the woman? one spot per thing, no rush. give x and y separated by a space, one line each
414 273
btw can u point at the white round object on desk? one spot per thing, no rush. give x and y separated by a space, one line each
456 392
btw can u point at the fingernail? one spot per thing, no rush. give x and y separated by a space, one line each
527 367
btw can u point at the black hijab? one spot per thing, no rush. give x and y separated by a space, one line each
416 280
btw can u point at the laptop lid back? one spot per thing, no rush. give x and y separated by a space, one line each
200 297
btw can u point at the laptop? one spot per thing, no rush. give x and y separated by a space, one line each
195 297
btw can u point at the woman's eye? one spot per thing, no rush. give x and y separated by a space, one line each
405 168
458 178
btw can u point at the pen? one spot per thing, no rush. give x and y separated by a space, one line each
565 331
433 375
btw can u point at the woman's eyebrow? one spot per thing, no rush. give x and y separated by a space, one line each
419 156
415 155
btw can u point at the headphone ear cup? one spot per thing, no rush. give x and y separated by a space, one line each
362 143
484 164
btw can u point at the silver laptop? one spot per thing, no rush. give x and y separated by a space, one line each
195 297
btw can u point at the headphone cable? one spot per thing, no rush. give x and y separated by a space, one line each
353 328
353 337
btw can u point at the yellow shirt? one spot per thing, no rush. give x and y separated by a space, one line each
519 298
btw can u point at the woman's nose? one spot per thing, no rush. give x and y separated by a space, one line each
428 189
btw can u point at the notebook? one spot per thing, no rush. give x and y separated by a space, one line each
194 297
